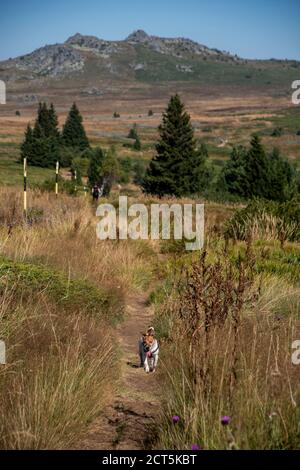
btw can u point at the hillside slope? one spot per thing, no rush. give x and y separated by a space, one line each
144 58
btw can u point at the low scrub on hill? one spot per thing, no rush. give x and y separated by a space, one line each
266 220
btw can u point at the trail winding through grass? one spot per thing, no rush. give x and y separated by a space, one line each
127 422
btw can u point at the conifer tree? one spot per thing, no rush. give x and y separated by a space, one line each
234 172
256 170
44 150
47 120
282 178
175 168
132 134
139 173
137 144
95 171
41 144
53 122
200 172
111 170
26 146
253 173
43 118
73 134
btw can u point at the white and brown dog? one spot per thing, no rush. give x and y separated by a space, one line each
149 350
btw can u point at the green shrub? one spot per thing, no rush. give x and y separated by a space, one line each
73 295
266 219
125 170
65 186
277 132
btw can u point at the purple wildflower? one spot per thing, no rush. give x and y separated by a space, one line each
225 420
175 419
195 447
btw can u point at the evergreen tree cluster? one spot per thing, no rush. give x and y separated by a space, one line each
255 174
181 168
44 144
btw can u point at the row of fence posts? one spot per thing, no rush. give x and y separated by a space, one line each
56 183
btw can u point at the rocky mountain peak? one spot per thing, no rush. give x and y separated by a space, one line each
112 58
74 39
83 40
138 36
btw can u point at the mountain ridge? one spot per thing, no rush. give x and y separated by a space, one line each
139 56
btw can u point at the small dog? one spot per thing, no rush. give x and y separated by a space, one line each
150 349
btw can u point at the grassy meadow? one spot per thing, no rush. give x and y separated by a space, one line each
62 295
226 317
227 320
221 120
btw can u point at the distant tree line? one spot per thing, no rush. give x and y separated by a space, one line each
180 167
252 172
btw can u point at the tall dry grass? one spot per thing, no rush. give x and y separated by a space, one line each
227 352
60 371
62 233
62 366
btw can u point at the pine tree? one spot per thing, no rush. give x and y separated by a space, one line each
137 144
38 131
47 120
132 134
139 173
282 177
41 144
199 170
256 170
234 172
44 150
43 119
73 134
95 171
26 146
111 170
255 174
53 122
175 168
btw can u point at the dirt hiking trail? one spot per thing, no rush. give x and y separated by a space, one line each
127 423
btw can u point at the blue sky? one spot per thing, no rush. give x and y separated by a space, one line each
251 29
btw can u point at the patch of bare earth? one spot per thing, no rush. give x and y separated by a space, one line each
128 421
